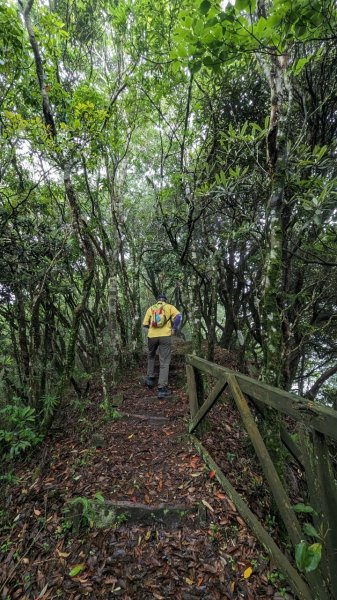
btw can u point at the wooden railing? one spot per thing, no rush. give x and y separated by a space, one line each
315 423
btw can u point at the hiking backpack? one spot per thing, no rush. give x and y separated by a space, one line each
158 317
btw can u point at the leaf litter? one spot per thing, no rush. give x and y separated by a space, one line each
211 555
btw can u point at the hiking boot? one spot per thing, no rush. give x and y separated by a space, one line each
149 381
163 392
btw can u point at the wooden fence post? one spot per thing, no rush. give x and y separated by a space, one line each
195 387
297 583
312 453
282 501
192 390
323 499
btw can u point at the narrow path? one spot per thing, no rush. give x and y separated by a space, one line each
144 460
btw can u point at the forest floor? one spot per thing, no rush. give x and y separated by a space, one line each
144 459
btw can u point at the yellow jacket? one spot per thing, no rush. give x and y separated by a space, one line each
170 312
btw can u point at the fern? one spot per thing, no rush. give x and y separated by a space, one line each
49 403
93 512
110 412
17 432
10 478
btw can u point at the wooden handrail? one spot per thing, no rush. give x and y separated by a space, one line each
318 417
315 422
296 581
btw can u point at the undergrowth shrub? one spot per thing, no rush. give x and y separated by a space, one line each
86 513
17 429
49 403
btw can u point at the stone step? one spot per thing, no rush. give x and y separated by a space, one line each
156 420
110 513
172 399
162 514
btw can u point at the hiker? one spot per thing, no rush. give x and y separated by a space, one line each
160 322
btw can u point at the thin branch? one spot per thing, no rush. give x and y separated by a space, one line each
320 381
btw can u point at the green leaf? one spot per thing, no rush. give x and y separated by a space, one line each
195 66
176 66
204 7
314 557
310 530
300 555
198 27
243 4
211 22
227 16
300 64
182 51
216 67
98 496
319 152
304 508
300 30
76 570
217 32
308 557
208 61
187 21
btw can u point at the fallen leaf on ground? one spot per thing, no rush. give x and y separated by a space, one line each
195 461
247 572
76 570
62 554
205 503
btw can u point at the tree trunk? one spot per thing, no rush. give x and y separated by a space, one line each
195 313
213 309
24 363
273 267
89 255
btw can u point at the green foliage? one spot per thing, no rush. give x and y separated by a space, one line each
11 37
76 570
214 533
162 116
9 478
87 508
18 432
302 508
49 403
308 556
92 512
214 36
247 5
310 530
275 578
111 413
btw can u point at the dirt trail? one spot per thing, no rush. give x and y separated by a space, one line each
143 459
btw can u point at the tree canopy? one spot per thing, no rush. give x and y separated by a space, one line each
180 146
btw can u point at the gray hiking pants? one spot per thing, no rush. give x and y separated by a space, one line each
164 345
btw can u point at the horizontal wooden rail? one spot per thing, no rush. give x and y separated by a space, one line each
314 423
297 583
318 417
